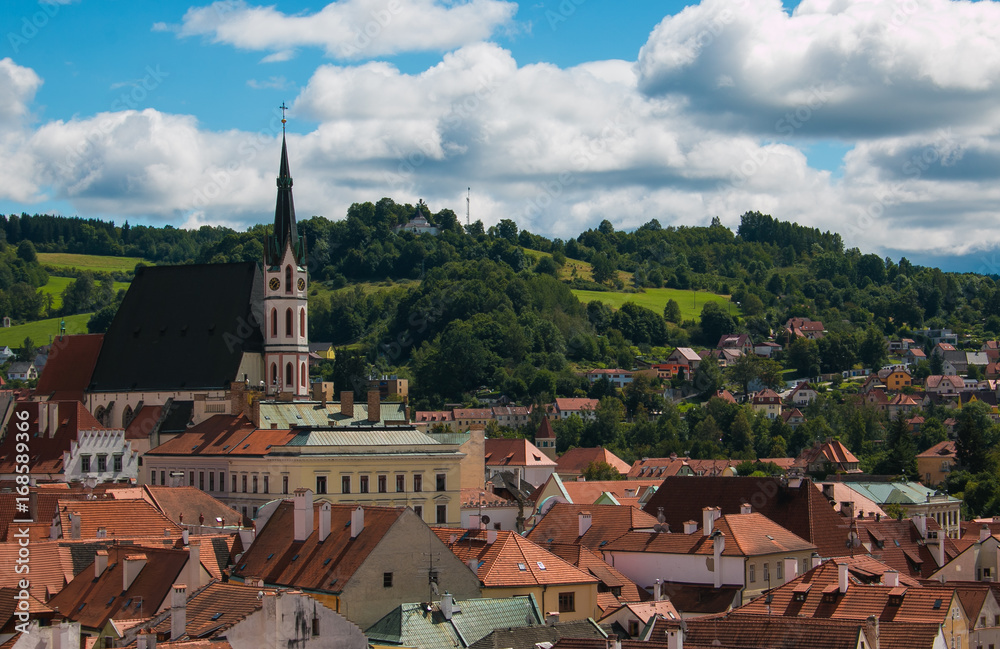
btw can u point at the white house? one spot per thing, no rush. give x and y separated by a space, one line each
104 455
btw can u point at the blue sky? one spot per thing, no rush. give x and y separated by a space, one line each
875 119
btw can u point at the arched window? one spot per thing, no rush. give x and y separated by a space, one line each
302 322
127 416
289 374
274 323
302 374
288 279
274 374
288 321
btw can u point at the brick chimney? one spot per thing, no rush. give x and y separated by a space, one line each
374 410
303 521
131 566
325 515
178 611
347 403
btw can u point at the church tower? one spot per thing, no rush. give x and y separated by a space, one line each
286 328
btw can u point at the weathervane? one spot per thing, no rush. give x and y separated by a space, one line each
283 108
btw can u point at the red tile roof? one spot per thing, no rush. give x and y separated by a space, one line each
898 543
576 405
608 522
121 519
189 504
609 576
941 449
71 361
584 492
576 460
46 454
217 435
545 430
143 422
515 452
216 607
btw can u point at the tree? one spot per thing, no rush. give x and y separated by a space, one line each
708 378
803 355
27 351
602 268
872 350
26 251
715 322
901 456
601 471
974 432
672 312
100 321
745 370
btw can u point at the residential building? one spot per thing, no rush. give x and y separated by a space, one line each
944 384
467 418
575 461
739 342
545 439
936 336
613 588
102 455
768 402
512 416
359 561
538 637
417 225
629 619
767 349
803 394
895 378
71 362
685 356
915 499
563 408
589 525
22 371
914 547
937 462
830 456
425 420
608 492
520 457
803 328
616 377
56 428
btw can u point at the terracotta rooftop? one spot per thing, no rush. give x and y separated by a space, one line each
608 522
899 544
615 588
575 405
71 362
216 607
545 430
941 449
56 430
576 460
511 560
515 452
120 519
189 504
217 435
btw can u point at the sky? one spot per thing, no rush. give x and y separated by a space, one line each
878 119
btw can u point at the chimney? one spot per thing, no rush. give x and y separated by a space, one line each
130 569
185 537
357 521
74 525
791 568
815 560
719 546
447 605
491 537
890 578
920 520
585 520
873 631
657 590
194 564
984 532
614 642
100 563
552 618
847 508
374 411
347 403
140 640
941 558
842 577
178 611
303 522
708 521
745 508
324 521
675 638
690 527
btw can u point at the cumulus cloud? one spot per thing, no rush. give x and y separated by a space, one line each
350 29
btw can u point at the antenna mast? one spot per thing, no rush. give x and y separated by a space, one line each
468 197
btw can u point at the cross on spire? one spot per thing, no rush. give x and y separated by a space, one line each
283 108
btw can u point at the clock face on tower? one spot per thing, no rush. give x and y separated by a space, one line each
275 283
302 284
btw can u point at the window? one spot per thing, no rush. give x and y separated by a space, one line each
302 374
418 482
440 482
302 322
982 621
442 514
386 580
753 575
779 568
118 463
201 480
102 464
315 626
274 374
288 323
234 484
289 375
345 484
567 602
381 484
274 323
222 481
284 484
190 475
255 484
152 477
419 511
211 481
163 475
321 484
400 483
244 484
267 484
767 573
85 464
254 512
288 279
363 488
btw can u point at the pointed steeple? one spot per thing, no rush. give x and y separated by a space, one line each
285 230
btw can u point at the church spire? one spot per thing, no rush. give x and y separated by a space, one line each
285 231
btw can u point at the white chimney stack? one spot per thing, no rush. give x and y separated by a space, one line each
194 564
357 521
675 638
325 516
719 546
791 568
920 520
815 560
890 578
842 577
303 514
707 521
941 558
100 563
178 611
74 525
131 566
657 590
447 605
984 532
585 521
552 618
745 508
491 537
690 527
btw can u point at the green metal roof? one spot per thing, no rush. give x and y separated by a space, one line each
348 437
903 493
411 625
297 414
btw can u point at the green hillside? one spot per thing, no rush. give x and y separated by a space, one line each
93 263
57 285
40 330
656 299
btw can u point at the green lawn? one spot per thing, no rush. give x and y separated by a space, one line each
93 263
40 330
656 299
57 285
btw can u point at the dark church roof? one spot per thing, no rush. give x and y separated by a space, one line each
285 230
182 327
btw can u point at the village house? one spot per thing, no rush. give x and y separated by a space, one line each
685 356
802 395
520 457
937 462
767 401
617 377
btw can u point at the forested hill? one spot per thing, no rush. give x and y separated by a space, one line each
474 307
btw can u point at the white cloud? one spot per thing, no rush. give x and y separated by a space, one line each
351 29
271 83
279 56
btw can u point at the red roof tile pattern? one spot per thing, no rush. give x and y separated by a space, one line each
511 560
515 452
277 558
899 544
545 430
611 580
584 492
576 460
143 422
189 505
121 519
608 522
575 404
941 449
47 447
217 435
71 362
216 607
51 567
802 510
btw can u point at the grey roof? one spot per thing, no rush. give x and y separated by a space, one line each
367 437
450 437
411 625
313 414
526 637
905 493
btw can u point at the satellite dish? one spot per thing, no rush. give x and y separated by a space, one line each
853 540
485 519
659 529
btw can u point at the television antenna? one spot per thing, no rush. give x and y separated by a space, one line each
468 200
